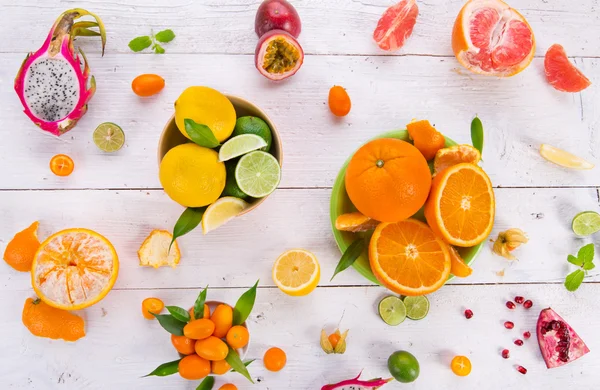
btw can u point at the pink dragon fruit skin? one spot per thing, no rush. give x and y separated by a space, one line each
51 84
356 384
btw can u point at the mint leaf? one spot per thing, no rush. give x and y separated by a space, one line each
140 43
574 280
588 266
165 36
158 49
200 134
574 260
586 253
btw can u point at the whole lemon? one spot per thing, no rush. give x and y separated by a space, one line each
208 107
192 175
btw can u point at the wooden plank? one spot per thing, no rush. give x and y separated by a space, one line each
387 92
328 27
121 346
244 250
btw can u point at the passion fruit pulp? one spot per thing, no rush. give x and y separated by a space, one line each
277 15
278 55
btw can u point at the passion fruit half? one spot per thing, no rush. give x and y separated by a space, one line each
278 55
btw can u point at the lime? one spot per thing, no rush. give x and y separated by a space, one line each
109 137
254 125
392 310
403 366
240 145
231 186
586 223
258 174
416 307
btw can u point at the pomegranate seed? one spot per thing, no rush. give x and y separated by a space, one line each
522 370
509 325
527 335
527 304
519 299
518 342
468 314
510 305
505 353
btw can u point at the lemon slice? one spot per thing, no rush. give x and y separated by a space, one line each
109 137
221 212
296 272
563 158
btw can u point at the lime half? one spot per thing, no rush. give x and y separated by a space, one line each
416 307
586 223
240 145
392 310
258 174
109 137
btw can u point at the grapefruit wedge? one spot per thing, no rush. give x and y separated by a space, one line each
491 38
562 74
396 25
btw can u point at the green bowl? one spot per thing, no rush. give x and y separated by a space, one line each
341 204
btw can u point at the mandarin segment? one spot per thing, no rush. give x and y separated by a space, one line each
46 321
20 251
458 266
355 222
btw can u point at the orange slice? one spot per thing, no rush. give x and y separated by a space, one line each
561 73
458 266
74 269
408 258
453 155
355 222
461 205
20 250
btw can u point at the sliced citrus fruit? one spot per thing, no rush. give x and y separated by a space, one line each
586 223
222 211
240 145
461 365
21 249
491 38
258 174
453 155
461 205
416 307
458 266
408 258
109 137
396 24
392 310
355 222
74 269
561 73
296 272
155 252
563 158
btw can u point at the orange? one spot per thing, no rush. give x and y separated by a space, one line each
274 359
339 101
355 222
220 367
458 267
212 348
461 365
238 337
388 180
74 269
453 155
21 249
147 84
461 206
199 329
228 386
561 73
408 258
62 165
151 305
193 367
223 319
426 138
46 321
206 312
491 38
183 345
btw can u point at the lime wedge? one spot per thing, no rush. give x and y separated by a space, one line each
586 223
392 310
416 307
109 137
257 174
240 145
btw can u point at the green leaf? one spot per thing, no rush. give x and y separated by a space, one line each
165 369
170 323
350 255
477 134
246 364
574 260
236 363
588 266
199 304
586 253
574 280
140 43
179 313
165 36
207 383
200 134
189 219
158 49
244 305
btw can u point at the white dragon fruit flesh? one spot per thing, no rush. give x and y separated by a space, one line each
52 84
356 384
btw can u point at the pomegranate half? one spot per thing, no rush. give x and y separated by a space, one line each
559 343
278 55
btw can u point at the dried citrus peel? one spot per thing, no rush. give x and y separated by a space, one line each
20 251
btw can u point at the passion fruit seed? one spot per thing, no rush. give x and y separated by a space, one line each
280 56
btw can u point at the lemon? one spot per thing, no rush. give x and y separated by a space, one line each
221 212
208 107
192 175
563 158
296 272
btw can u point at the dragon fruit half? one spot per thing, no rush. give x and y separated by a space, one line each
51 83
356 384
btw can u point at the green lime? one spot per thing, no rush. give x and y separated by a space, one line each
258 174
392 310
254 125
240 145
231 187
403 366
586 223
109 137
416 307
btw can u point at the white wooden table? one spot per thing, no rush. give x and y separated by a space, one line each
119 194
